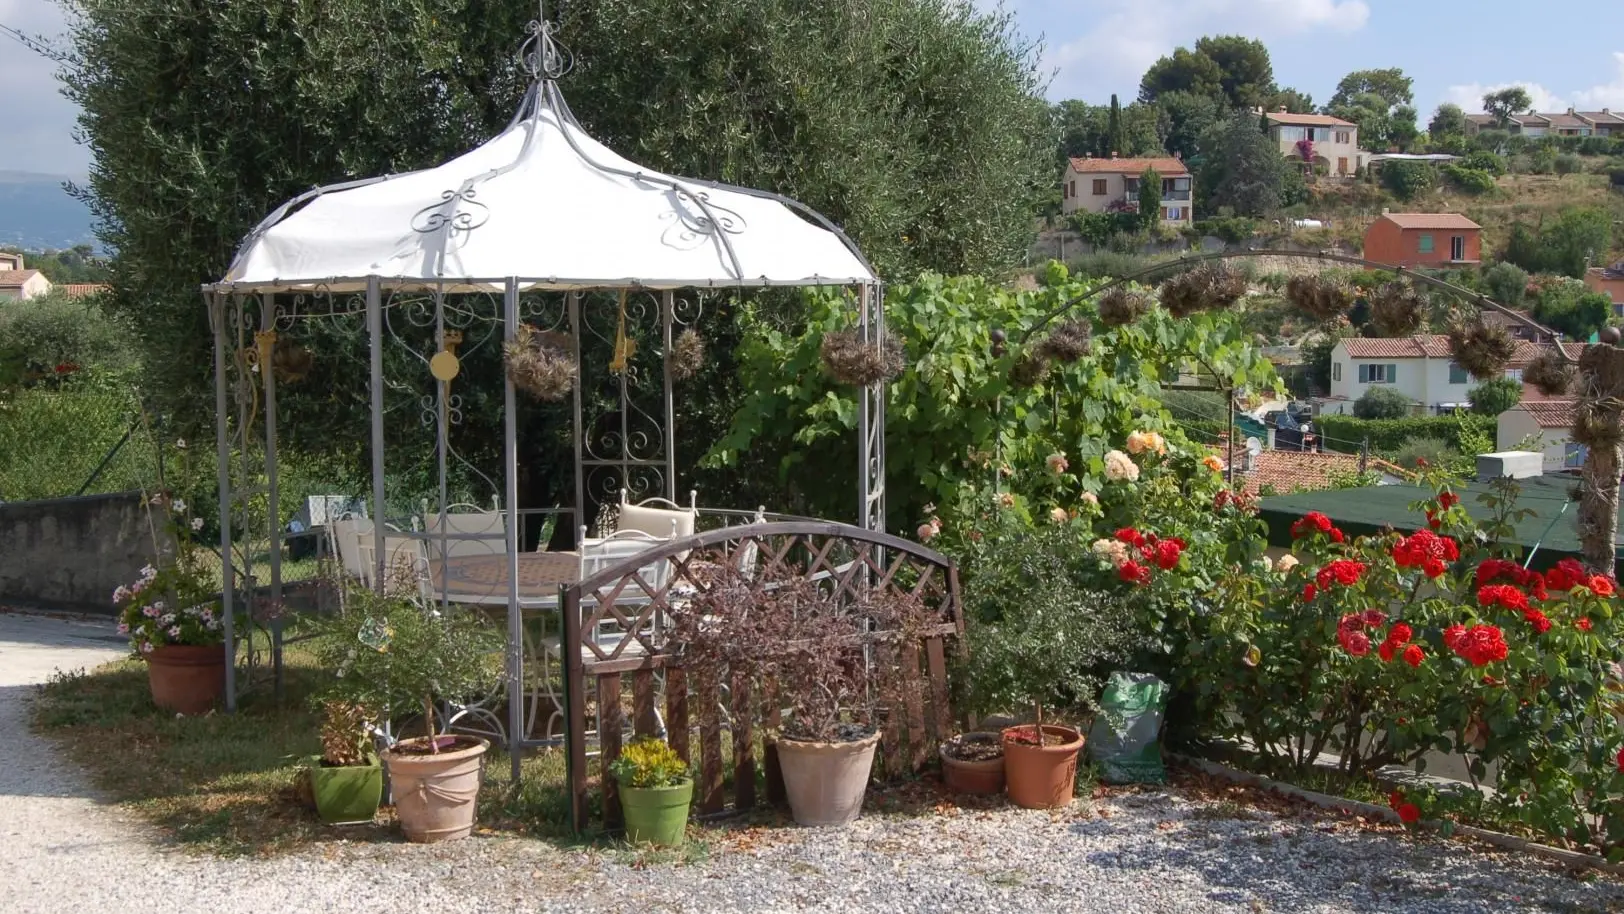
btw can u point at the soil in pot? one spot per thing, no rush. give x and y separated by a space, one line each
826 781
187 678
345 794
435 793
1041 776
974 763
657 815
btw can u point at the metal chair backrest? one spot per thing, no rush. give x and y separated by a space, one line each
346 535
467 534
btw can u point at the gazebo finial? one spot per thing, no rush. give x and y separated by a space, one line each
542 55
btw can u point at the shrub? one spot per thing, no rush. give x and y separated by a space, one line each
1469 180
1382 403
1388 435
648 762
1506 283
52 440
1408 180
1493 397
1420 452
1233 229
1483 160
1568 164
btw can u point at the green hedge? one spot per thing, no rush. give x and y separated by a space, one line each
1345 433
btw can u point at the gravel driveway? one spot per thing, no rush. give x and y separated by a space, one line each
61 852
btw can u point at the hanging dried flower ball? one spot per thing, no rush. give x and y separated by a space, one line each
687 354
1397 308
291 361
1552 375
541 363
1121 306
1028 370
1208 287
1066 343
1482 349
1594 426
1323 298
849 359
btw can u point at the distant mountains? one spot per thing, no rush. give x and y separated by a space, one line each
36 213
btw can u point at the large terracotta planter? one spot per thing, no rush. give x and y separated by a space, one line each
1042 777
187 678
435 794
826 781
980 777
657 815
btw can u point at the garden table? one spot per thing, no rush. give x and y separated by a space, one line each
483 579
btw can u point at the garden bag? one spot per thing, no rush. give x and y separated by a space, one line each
1125 739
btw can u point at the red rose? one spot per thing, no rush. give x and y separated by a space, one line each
1350 622
1413 655
1503 595
1386 651
1479 645
1356 643
1130 536
1600 586
1447 500
1435 523
1621 760
1567 575
1434 567
1167 554
1538 620
1421 462
1455 638
1309 593
1409 813
1336 535
1396 797
1400 633
1373 617
1582 624
1133 572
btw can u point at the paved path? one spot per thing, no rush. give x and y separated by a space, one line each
1152 852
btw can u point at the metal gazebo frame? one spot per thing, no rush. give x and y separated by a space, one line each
450 304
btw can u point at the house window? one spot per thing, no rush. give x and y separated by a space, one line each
1336 371
1514 374
1099 187
1173 214
1377 374
1071 188
1573 455
1457 247
1343 137
1458 375
1424 243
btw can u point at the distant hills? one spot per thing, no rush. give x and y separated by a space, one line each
36 213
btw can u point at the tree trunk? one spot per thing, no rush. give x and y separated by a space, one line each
1599 425
1598 506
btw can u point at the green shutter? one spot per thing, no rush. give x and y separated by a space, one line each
1425 245
1392 374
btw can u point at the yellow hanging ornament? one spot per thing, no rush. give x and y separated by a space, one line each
624 345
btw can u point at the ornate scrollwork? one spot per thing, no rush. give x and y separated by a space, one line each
695 219
450 213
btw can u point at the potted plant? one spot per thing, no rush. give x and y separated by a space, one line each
655 790
403 657
345 780
810 643
171 614
974 762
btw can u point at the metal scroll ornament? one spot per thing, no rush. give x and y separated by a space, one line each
456 212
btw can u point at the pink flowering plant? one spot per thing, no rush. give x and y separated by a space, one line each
176 601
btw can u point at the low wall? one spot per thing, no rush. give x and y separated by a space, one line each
70 553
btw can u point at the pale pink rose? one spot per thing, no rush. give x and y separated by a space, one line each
1057 463
926 533
1119 467
1006 499
1058 515
1089 499
1286 563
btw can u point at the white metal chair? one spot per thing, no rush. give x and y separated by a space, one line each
405 561
345 537
649 517
467 533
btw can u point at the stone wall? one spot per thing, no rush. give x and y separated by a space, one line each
70 553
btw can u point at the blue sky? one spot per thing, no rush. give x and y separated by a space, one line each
1567 52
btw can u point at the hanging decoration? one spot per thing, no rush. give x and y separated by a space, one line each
291 362
625 346
1398 308
850 359
1122 306
1066 343
687 354
1325 299
1551 374
1208 287
541 363
1482 349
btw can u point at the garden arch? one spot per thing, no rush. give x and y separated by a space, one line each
1598 387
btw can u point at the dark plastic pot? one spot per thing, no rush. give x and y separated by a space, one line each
347 794
657 815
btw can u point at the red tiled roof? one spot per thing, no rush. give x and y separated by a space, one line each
1602 117
1307 120
78 289
1165 165
1425 346
1301 471
1430 221
1566 120
1527 352
1549 413
14 279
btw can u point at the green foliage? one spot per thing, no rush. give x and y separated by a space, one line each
1495 396
1085 130
396 657
1382 403
1231 69
78 264
58 331
1316 354
1506 283
1184 119
1182 71
1575 239
1241 168
1506 102
1448 121
1100 229
52 440
1389 84
648 762
1150 199
1232 229
1387 436
1484 161
954 407
1469 180
1568 164
1408 180
1568 306
176 601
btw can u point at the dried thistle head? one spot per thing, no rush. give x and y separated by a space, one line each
1121 306
1397 308
1029 370
1066 343
291 361
1552 375
541 363
1325 299
851 360
1482 349
687 354
1208 287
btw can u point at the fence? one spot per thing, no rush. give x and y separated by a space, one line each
633 597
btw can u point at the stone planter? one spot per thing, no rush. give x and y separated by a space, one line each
826 781
187 678
435 794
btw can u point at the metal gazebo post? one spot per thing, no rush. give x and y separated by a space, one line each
265 341
510 470
871 415
375 334
222 444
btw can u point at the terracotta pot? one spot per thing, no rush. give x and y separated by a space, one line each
187 678
973 777
435 794
826 781
1042 777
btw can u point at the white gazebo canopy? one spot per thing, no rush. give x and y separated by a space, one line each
546 203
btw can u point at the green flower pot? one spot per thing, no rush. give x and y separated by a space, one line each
346 796
657 815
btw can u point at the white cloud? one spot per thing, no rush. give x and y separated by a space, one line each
1606 95
41 120
1129 35
1610 95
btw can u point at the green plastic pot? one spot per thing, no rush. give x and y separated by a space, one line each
347 795
657 815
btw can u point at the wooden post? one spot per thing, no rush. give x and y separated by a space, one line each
609 725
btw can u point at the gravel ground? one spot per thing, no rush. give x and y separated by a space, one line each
61 852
